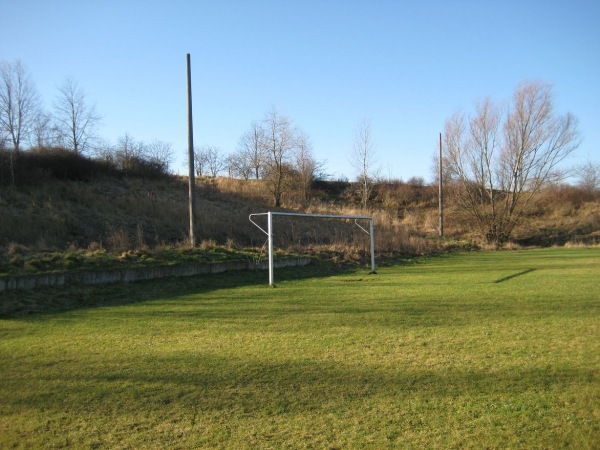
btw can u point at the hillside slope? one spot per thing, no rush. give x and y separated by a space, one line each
119 213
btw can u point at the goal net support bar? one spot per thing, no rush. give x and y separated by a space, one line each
269 232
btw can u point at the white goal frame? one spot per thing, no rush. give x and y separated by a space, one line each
269 232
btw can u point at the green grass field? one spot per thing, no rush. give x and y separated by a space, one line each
479 350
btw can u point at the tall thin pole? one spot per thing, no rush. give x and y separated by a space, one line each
191 178
441 191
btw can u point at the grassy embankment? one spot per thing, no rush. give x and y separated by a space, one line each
479 350
21 261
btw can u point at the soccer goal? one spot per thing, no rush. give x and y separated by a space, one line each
269 232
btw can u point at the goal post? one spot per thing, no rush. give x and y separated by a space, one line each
269 232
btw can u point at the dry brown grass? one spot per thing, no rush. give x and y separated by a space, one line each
121 214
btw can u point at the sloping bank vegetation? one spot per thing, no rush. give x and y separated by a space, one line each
62 212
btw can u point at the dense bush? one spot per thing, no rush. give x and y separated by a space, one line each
145 168
40 164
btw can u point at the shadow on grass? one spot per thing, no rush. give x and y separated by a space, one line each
210 382
18 303
515 275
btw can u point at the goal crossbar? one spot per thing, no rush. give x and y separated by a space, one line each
269 232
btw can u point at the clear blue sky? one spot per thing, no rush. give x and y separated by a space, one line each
326 64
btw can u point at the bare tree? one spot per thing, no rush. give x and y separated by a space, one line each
252 148
215 161
76 119
43 132
279 153
501 160
279 142
239 165
19 103
106 152
209 161
363 160
470 159
231 164
201 160
305 164
589 176
128 152
160 153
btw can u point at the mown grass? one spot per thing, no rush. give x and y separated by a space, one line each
479 350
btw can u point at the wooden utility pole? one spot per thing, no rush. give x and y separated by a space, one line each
191 178
441 192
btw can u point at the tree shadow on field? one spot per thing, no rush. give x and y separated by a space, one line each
19 303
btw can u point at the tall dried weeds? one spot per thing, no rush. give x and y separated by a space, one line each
122 214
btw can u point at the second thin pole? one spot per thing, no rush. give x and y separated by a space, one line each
441 191
191 179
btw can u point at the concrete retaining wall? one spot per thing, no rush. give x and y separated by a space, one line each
138 274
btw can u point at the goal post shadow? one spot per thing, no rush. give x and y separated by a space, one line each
269 233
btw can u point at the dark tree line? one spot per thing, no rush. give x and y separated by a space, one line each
71 125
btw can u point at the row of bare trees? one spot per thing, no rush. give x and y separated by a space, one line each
211 161
23 121
129 153
71 125
281 154
498 158
273 150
